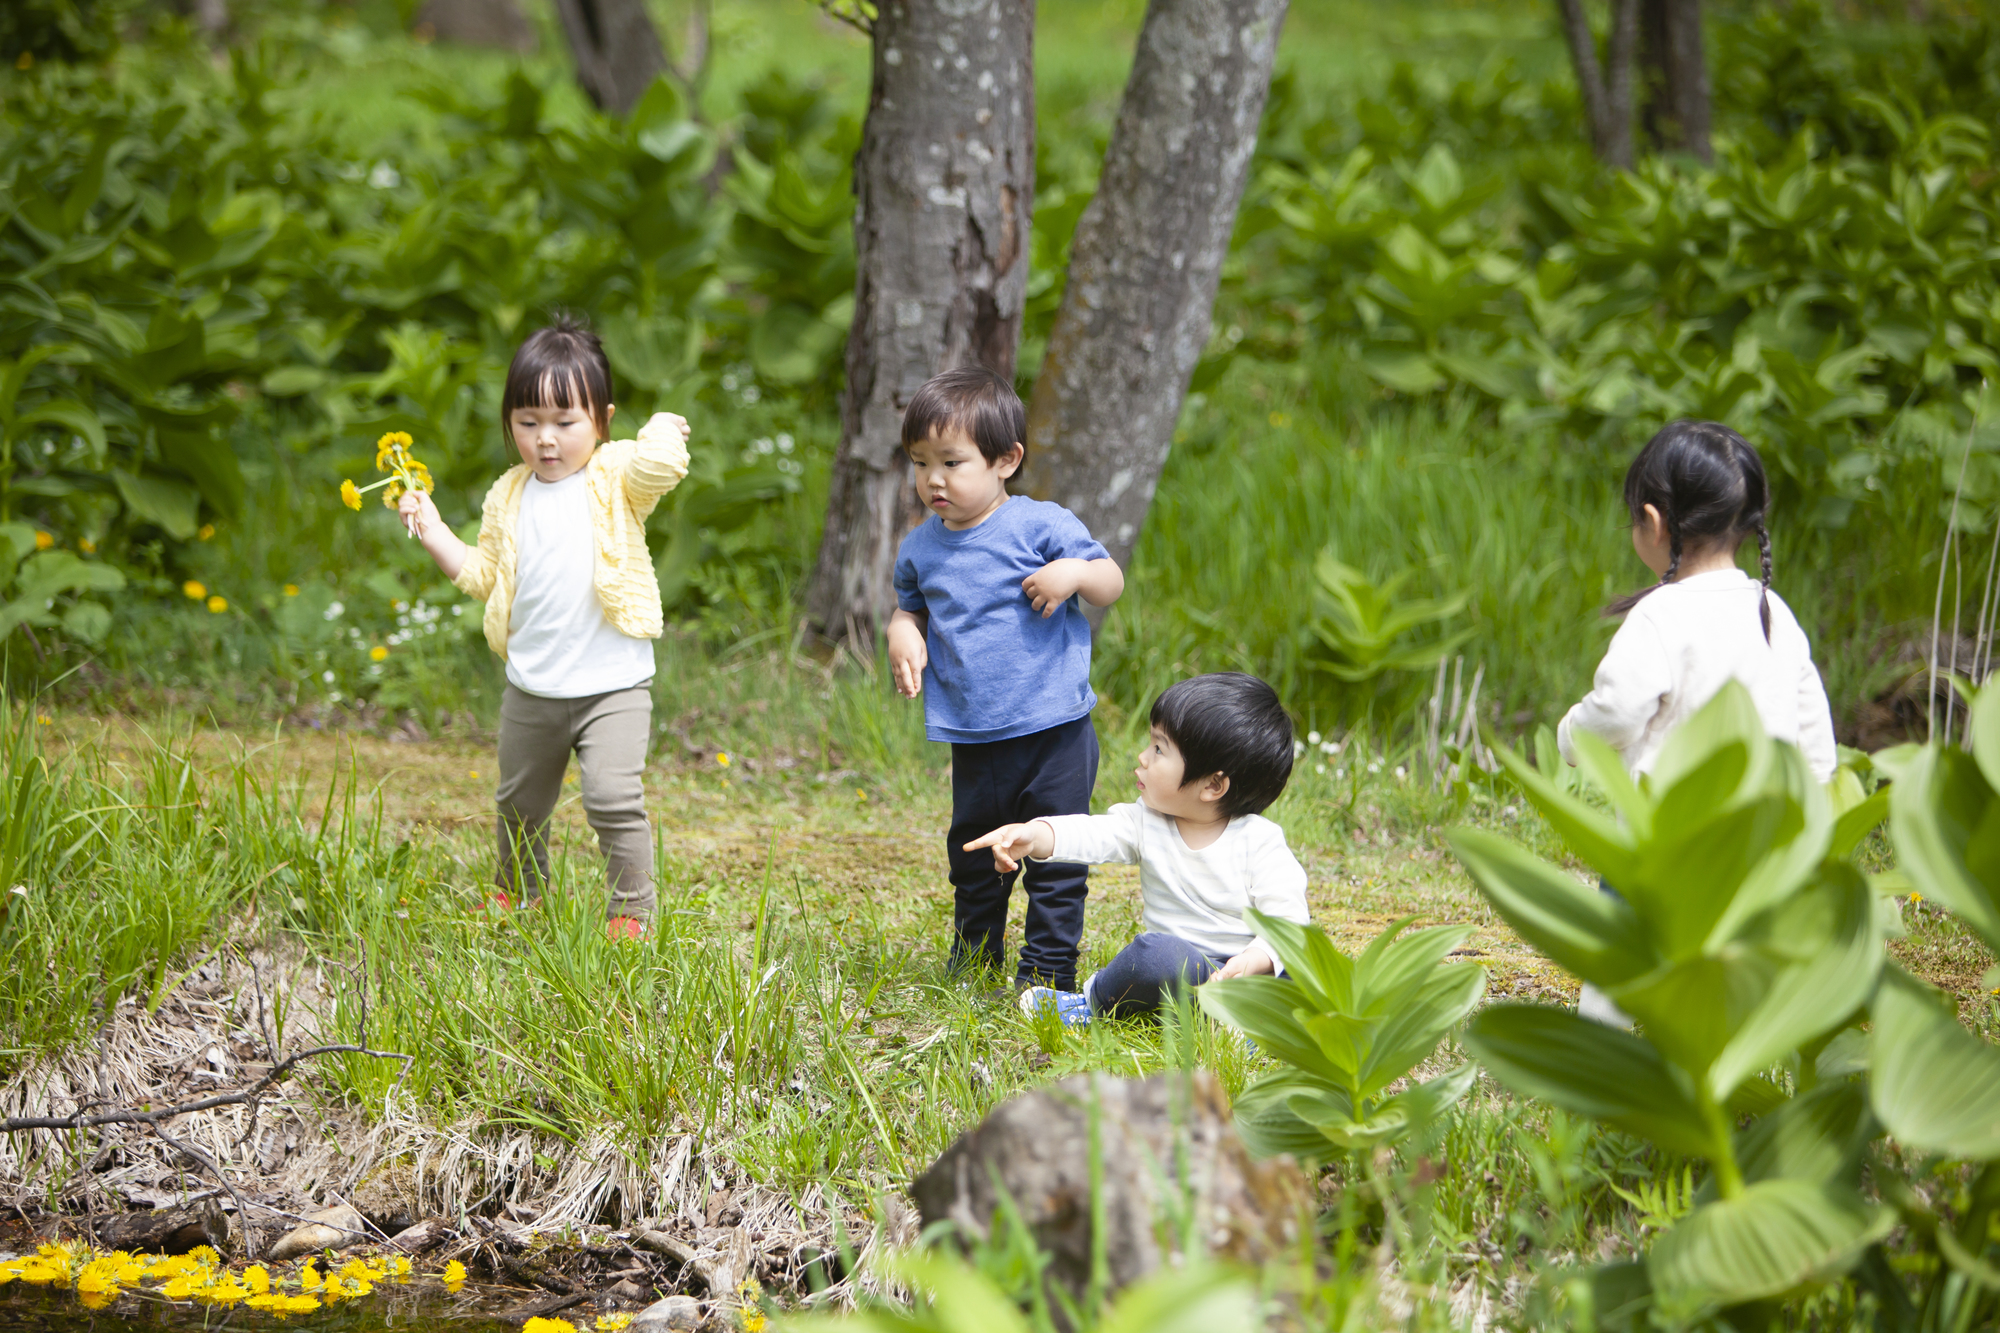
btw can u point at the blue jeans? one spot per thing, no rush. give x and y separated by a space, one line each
1140 979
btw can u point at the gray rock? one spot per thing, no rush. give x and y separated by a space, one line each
680 1314
329 1229
424 1235
1161 1134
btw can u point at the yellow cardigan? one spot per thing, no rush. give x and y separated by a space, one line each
626 479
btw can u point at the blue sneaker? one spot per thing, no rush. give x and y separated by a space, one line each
1072 1007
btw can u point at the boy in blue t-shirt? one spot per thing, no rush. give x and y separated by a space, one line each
986 594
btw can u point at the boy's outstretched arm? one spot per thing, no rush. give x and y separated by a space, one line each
1100 581
908 654
1011 842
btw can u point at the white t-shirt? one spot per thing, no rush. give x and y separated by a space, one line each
559 645
1197 896
1678 647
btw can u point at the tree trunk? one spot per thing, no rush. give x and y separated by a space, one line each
1607 93
617 49
944 195
1674 111
495 23
1145 262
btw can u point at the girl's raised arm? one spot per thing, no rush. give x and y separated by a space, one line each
658 462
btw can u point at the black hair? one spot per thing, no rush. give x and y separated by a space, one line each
1229 723
975 400
562 365
1708 484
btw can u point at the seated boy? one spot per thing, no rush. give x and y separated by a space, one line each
1220 751
987 617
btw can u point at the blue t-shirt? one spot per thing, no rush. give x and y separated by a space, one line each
997 668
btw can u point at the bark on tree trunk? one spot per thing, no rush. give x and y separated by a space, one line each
617 49
944 196
1145 262
496 23
1674 110
1607 92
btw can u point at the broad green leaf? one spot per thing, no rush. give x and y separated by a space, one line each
1311 959
1814 995
1685 886
1410 1032
1818 1136
1604 770
1389 968
75 417
1586 933
1986 734
209 462
1934 1085
1343 1039
1779 1235
1269 1125
1731 717
1690 1006
1855 823
1946 826
1598 840
1593 1070
1197 1298
168 505
1262 1008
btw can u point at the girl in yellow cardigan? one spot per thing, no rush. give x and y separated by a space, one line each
572 607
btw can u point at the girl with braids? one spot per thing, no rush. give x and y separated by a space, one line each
1696 493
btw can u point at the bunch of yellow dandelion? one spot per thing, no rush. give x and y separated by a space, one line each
393 456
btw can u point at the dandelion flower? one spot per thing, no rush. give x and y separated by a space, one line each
548 1326
309 1278
613 1323
291 590
377 653
217 605
43 541
257 1278
195 591
722 759
85 545
453 1275
350 495
206 531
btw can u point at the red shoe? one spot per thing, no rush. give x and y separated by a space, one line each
494 899
624 928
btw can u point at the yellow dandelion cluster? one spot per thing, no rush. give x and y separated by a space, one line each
393 456
200 1276
613 1323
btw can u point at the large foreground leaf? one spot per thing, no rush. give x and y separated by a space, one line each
1590 1069
1934 1085
1587 933
1945 823
1778 1235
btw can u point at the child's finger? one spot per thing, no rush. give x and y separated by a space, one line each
987 841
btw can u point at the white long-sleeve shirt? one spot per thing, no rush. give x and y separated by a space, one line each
1198 896
1677 649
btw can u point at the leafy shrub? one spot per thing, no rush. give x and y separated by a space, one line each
1750 949
1348 1028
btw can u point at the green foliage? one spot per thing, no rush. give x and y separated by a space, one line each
1348 1028
1749 949
955 1297
1365 629
1811 288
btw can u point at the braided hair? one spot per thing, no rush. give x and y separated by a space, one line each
1709 486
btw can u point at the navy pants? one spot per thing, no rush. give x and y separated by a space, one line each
1140 980
1047 772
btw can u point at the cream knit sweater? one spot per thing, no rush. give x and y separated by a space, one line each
626 479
